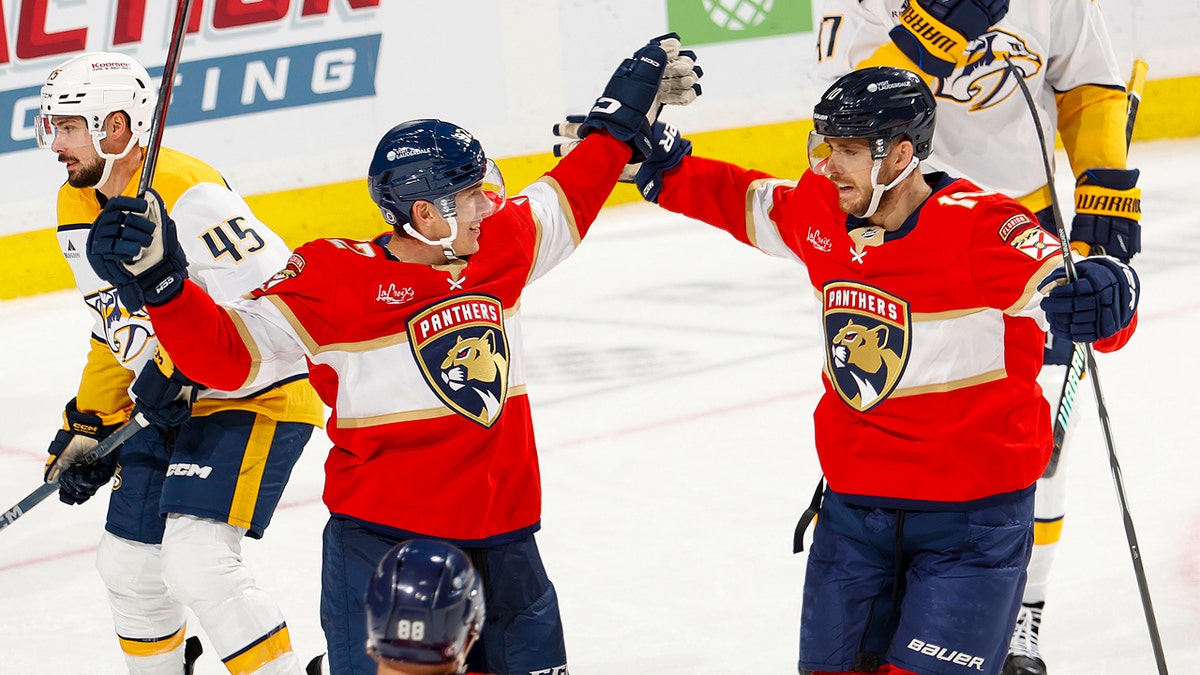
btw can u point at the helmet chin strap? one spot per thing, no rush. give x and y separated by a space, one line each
877 190
110 158
447 243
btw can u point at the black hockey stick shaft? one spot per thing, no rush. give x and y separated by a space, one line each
1105 423
1076 369
178 31
44 490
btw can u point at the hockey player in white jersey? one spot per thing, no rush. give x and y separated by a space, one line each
201 475
985 131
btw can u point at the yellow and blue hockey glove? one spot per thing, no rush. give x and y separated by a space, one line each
934 33
1108 208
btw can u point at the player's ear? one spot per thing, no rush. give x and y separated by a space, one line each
116 124
903 153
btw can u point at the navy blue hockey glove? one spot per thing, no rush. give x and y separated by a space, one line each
162 394
82 432
934 33
1108 206
1096 305
133 246
669 150
629 104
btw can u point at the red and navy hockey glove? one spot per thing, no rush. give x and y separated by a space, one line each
1097 305
669 150
133 246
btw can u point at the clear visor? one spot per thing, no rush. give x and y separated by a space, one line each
829 155
62 131
478 201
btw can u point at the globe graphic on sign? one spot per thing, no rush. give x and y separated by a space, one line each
737 14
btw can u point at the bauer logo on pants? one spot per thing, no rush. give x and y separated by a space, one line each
866 342
463 353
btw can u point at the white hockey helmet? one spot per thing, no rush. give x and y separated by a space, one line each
93 86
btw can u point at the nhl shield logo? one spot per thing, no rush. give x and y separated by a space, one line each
866 342
463 353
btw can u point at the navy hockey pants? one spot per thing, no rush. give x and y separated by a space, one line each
522 632
936 592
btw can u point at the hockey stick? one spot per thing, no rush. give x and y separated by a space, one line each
165 86
1076 370
1105 424
105 447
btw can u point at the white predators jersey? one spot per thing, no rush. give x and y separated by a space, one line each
229 253
984 129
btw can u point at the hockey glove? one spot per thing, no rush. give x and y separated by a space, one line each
630 102
934 33
1095 306
77 482
133 246
669 150
1108 206
163 395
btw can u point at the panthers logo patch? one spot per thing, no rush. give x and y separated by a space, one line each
866 342
463 353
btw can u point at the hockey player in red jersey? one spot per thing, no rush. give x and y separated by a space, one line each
413 338
934 297
425 609
1062 50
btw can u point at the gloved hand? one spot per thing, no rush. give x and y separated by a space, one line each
1097 305
163 394
133 246
1108 206
77 481
669 150
934 33
635 93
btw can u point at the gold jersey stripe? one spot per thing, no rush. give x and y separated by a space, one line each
258 654
153 646
1047 531
254 463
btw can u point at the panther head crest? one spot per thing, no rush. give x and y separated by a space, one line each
476 363
869 361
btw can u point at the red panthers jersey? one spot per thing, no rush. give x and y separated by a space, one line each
933 333
422 365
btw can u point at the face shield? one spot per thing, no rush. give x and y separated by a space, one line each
476 202
67 131
842 157
845 158
469 205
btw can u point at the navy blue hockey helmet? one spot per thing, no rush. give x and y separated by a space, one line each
879 104
425 604
424 160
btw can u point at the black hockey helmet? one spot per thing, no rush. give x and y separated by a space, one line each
425 604
879 104
424 160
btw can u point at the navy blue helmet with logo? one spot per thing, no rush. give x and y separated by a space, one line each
879 104
425 604
423 160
